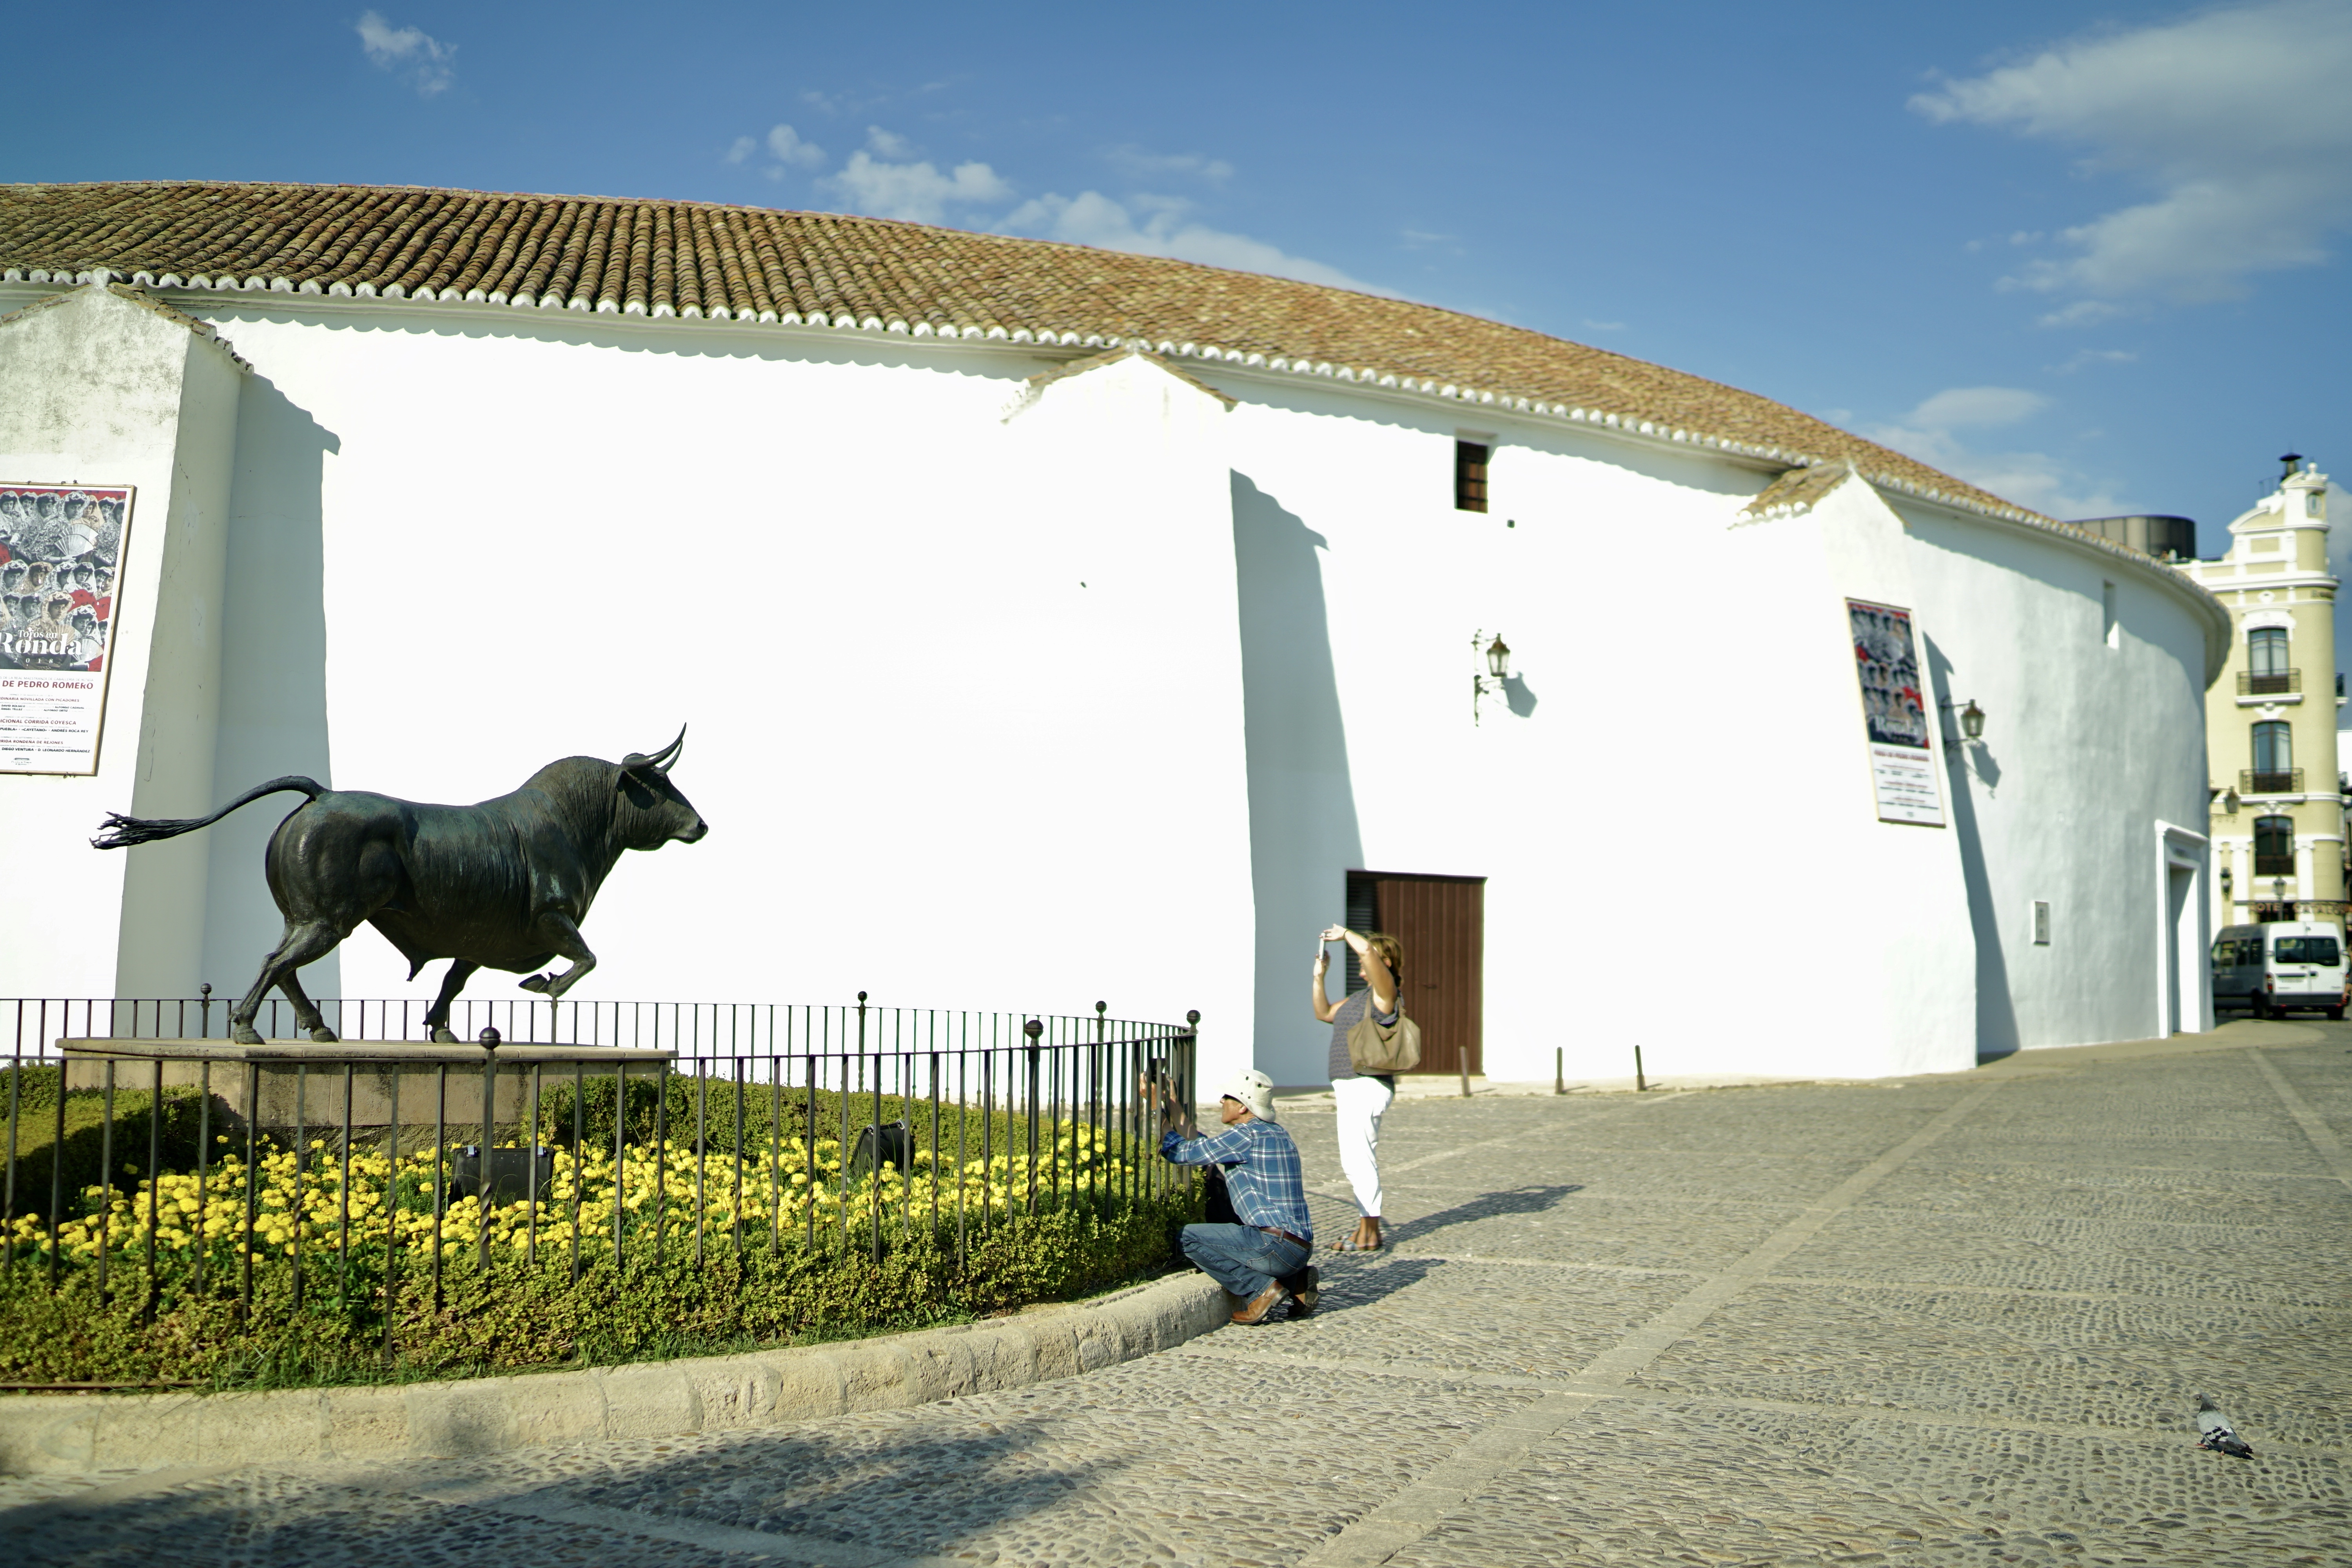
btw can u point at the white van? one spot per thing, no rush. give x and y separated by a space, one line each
2278 966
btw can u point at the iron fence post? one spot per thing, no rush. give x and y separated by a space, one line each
1033 1029
302 1077
489 1040
252 1131
154 1179
105 1172
440 1168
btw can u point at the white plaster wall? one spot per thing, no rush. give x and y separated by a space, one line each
1009 698
97 389
2086 747
963 691
1679 826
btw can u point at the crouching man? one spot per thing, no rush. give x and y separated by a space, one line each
1264 1258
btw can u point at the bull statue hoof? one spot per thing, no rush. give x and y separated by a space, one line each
538 983
324 1035
245 1035
442 1037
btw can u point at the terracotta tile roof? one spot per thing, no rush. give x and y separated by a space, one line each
691 259
1797 491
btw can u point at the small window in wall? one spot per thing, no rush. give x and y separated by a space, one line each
1470 476
2041 923
2266 666
2107 628
2274 847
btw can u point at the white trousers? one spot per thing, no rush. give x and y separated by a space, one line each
1360 1101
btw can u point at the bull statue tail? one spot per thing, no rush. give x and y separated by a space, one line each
121 832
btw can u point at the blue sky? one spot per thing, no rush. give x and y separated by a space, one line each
2088 256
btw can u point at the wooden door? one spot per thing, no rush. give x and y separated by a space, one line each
1441 923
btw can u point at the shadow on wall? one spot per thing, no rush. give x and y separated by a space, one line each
1302 832
1996 1009
1519 695
273 715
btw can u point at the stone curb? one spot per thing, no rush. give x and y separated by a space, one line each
54 1433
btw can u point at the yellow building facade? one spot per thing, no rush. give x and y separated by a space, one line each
2270 718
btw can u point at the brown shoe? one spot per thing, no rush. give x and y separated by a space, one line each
1266 1301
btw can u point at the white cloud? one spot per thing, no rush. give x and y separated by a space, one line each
888 143
2083 358
916 191
1138 164
788 148
2239 119
410 53
1166 229
1956 406
2035 479
784 145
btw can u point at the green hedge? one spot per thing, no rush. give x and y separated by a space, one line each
38 1149
518 1317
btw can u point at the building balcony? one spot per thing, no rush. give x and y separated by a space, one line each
2264 866
2254 781
2273 683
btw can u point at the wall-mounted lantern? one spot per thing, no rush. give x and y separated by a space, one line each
1496 654
1971 718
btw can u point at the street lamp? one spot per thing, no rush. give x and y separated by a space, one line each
1496 654
1971 718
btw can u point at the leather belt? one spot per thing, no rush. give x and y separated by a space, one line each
1294 1240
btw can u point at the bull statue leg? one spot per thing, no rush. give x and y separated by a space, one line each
563 937
304 941
436 1017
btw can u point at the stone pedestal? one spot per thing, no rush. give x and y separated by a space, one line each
389 1081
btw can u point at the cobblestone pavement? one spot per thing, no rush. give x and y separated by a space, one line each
1957 1319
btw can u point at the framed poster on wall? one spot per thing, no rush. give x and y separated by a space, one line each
61 553
1894 715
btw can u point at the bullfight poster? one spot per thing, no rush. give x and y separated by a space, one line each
61 550
1894 715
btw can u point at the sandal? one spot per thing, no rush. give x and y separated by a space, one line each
1352 1244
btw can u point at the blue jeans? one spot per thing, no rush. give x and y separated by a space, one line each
1241 1257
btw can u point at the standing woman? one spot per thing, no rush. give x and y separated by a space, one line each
1362 1098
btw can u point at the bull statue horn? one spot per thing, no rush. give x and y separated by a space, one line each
661 760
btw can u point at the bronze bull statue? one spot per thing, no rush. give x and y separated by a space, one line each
501 885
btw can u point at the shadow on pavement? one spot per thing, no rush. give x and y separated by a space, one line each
1488 1206
1361 1282
907 1494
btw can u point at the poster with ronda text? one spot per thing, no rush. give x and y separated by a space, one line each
61 551
1895 714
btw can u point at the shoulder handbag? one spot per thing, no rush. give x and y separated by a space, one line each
1372 1049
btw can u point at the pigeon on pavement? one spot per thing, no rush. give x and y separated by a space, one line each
2213 1431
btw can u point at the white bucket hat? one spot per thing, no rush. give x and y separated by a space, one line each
1252 1089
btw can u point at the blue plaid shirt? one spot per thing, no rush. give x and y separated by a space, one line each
1262 1173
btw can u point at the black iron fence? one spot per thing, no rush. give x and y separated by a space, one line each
148 1151
2255 683
2271 781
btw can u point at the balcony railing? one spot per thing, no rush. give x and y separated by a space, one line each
2253 683
2257 780
2274 865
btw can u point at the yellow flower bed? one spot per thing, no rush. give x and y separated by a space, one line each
310 1207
